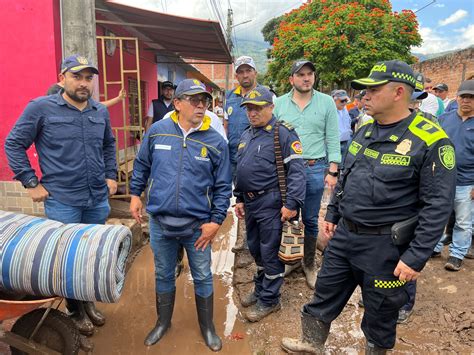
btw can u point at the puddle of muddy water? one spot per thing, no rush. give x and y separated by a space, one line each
130 320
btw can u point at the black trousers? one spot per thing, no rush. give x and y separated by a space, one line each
368 261
263 224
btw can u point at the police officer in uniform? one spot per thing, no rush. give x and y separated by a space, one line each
399 165
259 200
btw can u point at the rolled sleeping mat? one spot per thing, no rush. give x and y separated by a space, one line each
42 257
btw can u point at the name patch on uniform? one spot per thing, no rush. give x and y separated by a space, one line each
447 156
297 147
395 159
371 153
354 148
162 146
201 158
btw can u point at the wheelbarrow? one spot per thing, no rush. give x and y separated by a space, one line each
44 330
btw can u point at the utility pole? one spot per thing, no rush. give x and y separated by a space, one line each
229 44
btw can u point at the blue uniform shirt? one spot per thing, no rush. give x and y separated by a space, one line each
256 164
461 133
76 149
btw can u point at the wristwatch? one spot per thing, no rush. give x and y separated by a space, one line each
32 183
333 173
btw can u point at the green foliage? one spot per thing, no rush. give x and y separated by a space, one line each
269 31
343 39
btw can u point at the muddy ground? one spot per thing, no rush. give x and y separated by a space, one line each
443 321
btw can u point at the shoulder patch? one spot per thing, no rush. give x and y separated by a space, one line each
428 131
447 156
287 125
297 147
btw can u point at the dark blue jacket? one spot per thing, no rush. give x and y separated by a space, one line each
76 149
237 120
186 177
256 164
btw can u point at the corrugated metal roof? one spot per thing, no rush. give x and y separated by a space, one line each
183 36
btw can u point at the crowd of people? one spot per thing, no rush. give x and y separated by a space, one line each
397 166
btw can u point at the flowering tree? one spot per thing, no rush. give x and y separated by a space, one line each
342 38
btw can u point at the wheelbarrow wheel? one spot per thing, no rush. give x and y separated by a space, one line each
56 333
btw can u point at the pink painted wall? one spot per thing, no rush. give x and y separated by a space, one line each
148 74
30 60
30 56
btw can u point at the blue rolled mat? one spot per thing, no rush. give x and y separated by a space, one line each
42 257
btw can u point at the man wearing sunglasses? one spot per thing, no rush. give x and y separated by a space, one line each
183 164
345 132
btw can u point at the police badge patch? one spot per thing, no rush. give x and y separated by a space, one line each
447 156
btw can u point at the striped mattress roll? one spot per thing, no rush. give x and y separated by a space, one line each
42 257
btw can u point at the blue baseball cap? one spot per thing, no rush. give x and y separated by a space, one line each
191 87
419 95
259 96
75 63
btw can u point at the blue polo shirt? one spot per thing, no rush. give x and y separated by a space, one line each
76 149
461 134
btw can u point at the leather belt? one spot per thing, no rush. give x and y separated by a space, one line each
252 195
312 162
359 229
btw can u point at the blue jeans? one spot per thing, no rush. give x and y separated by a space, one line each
312 202
165 250
91 214
462 231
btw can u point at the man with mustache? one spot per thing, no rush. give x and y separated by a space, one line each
183 163
400 167
76 148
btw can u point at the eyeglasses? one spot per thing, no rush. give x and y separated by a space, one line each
344 101
195 100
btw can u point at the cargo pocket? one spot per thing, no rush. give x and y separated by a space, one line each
386 294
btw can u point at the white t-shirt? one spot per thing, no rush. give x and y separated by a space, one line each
215 122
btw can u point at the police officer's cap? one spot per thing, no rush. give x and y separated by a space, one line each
387 71
259 96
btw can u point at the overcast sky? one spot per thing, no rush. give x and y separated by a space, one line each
444 25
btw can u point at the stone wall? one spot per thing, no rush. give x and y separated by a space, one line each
450 69
15 198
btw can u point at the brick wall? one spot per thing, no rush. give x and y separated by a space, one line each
216 73
14 198
450 69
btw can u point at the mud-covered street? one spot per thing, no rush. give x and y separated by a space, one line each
443 319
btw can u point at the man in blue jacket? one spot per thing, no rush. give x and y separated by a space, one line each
184 166
76 149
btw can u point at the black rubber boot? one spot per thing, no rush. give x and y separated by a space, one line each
164 309
75 311
96 317
372 349
205 310
313 338
309 263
